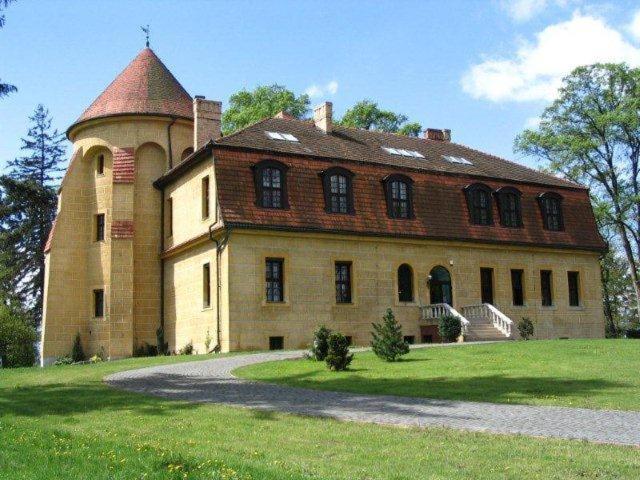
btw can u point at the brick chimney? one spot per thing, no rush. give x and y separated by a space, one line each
207 118
441 135
322 117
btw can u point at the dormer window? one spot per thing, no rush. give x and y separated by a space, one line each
287 137
551 210
509 207
399 195
479 204
338 190
271 184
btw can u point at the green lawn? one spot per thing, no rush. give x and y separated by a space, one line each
575 373
64 423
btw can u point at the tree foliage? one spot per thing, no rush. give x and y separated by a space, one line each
591 134
5 88
247 107
27 209
17 339
338 356
388 342
320 346
450 328
368 116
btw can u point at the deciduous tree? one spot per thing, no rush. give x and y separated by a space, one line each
368 116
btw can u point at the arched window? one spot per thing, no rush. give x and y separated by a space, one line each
399 194
551 210
186 152
509 206
271 184
405 283
338 190
479 204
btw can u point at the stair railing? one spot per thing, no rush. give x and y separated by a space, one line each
485 310
437 310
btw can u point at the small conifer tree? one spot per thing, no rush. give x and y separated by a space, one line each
338 356
77 353
320 347
388 342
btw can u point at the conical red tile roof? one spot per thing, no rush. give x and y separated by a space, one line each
146 86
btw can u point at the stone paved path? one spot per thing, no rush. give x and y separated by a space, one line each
212 381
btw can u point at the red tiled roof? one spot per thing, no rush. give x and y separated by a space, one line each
145 86
439 204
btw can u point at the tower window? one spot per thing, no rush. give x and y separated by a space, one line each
100 227
98 303
206 285
205 197
100 165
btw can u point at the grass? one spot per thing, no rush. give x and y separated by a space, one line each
63 422
599 374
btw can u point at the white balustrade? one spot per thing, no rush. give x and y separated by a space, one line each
437 310
485 310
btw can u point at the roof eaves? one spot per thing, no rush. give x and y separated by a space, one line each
185 165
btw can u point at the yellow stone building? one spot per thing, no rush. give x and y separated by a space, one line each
256 238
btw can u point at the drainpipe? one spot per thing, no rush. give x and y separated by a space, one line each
220 246
162 270
173 120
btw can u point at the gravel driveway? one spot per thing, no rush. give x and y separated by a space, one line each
211 381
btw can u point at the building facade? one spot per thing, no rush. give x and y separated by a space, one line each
256 238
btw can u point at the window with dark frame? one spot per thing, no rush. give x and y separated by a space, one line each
98 303
479 204
343 282
169 217
405 283
486 285
517 287
99 227
546 288
205 197
399 195
276 343
573 279
206 285
100 164
551 210
410 339
271 184
275 280
337 183
509 207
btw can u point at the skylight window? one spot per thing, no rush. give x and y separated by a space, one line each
287 137
403 152
458 160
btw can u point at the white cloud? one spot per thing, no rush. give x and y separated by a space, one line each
634 26
536 69
316 90
523 10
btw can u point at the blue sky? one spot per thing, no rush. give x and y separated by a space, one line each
483 69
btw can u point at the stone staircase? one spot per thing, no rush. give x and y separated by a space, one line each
481 329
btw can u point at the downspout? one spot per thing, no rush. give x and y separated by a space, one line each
160 333
173 120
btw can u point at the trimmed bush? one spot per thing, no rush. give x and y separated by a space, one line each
77 352
145 350
65 360
187 349
320 345
388 342
449 328
525 328
338 356
17 339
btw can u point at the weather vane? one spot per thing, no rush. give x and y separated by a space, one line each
146 30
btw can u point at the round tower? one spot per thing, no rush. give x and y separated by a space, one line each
103 276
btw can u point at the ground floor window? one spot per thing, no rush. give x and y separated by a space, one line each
517 289
206 285
98 303
275 279
410 339
276 343
574 288
343 282
546 288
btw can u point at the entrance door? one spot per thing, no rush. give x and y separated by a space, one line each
486 285
440 286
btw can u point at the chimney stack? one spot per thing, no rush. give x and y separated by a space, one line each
322 117
207 120
441 135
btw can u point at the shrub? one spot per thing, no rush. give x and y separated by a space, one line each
77 353
450 328
338 356
525 328
64 360
320 346
632 332
187 349
388 342
17 339
207 342
145 350
163 347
